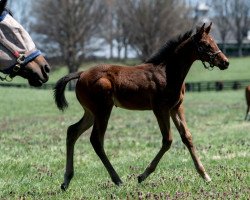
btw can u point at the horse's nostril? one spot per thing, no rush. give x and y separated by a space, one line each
46 68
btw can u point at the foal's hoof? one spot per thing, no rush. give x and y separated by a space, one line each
64 187
207 178
118 183
140 178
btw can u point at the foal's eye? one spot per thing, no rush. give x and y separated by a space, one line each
207 46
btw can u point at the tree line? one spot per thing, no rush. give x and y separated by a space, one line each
69 28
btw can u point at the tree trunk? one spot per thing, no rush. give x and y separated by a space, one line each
125 51
71 84
111 56
119 48
240 54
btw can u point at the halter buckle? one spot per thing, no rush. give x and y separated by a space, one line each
16 68
21 59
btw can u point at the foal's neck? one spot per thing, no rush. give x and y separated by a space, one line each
183 59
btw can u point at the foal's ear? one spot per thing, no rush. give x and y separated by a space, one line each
208 28
2 5
200 31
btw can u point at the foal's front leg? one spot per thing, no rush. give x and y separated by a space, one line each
179 120
163 118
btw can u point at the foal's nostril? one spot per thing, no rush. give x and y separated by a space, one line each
226 63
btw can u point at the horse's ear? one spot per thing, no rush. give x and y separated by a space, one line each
208 28
2 5
200 31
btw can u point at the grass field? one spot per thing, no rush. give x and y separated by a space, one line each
32 150
238 70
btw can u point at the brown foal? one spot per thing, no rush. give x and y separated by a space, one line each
157 84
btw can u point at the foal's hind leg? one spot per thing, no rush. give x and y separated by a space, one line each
97 141
178 117
247 113
163 118
73 133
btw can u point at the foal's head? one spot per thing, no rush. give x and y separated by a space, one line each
207 49
18 53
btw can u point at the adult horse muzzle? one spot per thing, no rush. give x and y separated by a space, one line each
32 67
36 71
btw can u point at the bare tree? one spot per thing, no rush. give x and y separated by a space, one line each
240 13
108 27
222 19
149 23
113 30
122 35
68 26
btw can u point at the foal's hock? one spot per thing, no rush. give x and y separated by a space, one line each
157 84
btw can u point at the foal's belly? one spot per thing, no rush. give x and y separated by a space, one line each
133 101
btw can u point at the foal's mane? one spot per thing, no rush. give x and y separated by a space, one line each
162 55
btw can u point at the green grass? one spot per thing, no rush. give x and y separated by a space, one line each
32 150
239 69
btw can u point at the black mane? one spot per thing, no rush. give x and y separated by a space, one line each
168 49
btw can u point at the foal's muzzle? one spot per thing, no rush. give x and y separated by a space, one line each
223 64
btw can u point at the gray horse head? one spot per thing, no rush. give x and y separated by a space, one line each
18 53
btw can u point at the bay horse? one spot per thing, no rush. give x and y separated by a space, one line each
18 53
157 85
247 94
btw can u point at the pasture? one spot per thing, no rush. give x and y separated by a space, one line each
32 150
238 70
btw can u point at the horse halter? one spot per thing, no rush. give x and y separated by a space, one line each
202 52
22 59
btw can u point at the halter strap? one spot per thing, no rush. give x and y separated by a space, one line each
22 60
4 14
211 55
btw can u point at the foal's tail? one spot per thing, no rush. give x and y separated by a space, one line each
59 89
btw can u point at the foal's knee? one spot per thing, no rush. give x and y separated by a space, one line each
187 139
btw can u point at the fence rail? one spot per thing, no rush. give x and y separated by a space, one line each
190 86
216 85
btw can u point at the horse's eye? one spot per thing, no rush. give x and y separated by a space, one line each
207 46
